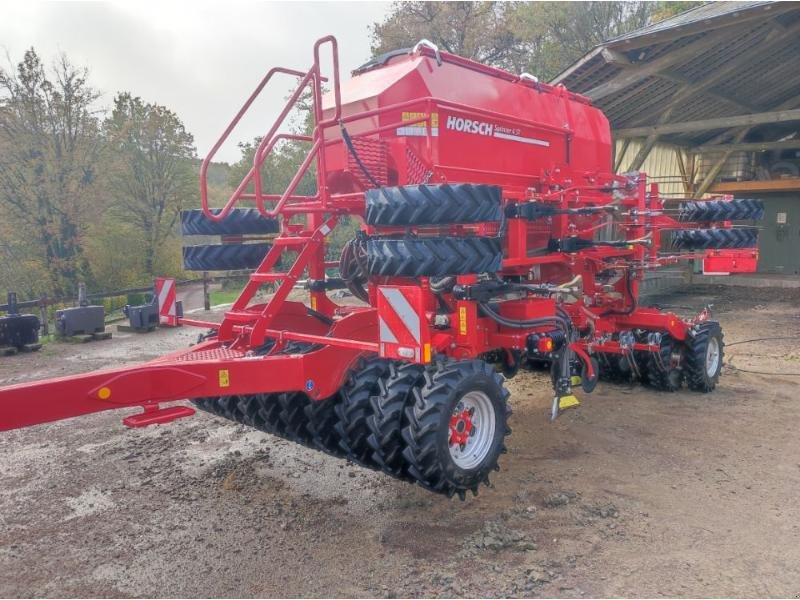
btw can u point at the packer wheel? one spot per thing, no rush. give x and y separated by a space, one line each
456 426
721 210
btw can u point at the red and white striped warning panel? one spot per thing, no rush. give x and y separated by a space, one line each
167 301
403 334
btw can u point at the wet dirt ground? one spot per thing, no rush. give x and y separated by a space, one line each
635 493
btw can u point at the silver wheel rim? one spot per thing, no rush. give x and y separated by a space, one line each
712 357
483 421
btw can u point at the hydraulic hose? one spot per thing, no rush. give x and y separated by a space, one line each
556 320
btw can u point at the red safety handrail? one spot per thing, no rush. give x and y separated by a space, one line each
312 77
207 161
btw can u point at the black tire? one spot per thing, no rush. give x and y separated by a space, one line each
707 336
614 368
663 371
433 257
721 210
208 405
247 406
224 257
226 407
705 239
433 204
353 409
239 221
292 415
255 410
321 422
388 416
268 414
427 435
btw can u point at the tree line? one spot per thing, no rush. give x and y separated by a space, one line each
86 196
94 196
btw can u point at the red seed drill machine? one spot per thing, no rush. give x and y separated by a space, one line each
493 233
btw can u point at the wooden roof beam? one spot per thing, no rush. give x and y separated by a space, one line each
778 116
747 147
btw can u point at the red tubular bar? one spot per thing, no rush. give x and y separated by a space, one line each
207 161
157 382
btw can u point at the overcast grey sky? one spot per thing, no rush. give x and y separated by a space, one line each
199 58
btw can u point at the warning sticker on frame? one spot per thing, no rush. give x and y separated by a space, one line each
420 127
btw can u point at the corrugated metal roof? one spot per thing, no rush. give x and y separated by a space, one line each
738 57
705 12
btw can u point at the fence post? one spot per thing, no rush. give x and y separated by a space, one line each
206 295
43 315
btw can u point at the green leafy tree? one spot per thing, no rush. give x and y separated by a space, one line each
543 38
152 175
556 34
49 151
476 30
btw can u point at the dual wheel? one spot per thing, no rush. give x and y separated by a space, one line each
432 206
229 256
441 425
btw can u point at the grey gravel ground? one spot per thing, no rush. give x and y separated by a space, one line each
636 493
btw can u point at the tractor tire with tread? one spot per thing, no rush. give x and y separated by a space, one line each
353 409
224 257
704 354
428 433
239 221
739 209
388 416
707 239
660 373
321 422
293 419
433 257
429 204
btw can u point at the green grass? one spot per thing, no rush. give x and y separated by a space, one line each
223 296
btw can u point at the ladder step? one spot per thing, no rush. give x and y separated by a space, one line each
265 277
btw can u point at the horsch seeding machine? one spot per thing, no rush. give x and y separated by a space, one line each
493 233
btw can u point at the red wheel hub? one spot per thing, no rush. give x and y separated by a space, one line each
461 427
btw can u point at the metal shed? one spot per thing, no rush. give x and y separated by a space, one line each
709 100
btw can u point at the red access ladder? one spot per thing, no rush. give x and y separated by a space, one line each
245 326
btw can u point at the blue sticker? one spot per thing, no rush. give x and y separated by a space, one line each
309 385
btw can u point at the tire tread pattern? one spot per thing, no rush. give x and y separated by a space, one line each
706 239
388 416
424 416
433 204
696 377
224 257
239 221
433 257
353 409
739 209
